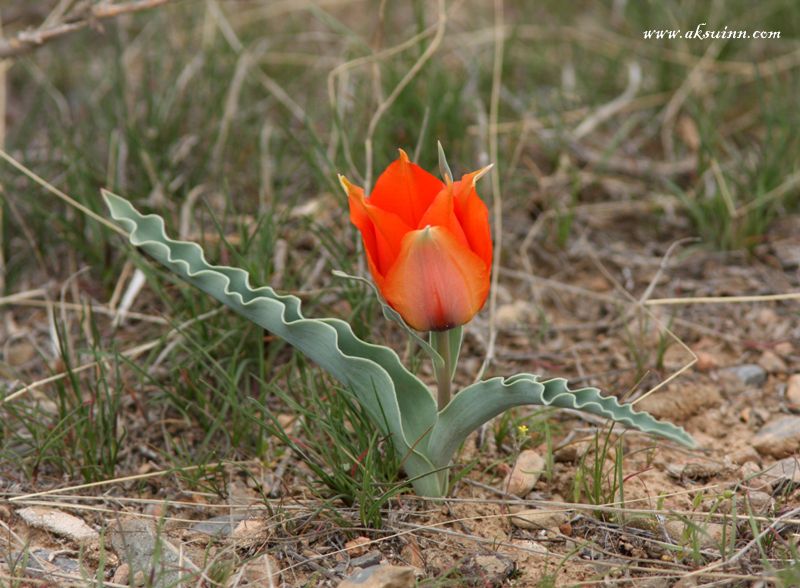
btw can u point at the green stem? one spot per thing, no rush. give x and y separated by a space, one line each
440 341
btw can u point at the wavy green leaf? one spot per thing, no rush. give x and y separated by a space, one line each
398 403
478 403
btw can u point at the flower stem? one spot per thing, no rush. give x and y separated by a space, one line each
441 343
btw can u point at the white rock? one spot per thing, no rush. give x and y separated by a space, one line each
793 392
779 437
58 523
525 474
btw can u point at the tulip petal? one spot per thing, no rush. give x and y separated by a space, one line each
441 213
473 216
436 282
406 190
381 231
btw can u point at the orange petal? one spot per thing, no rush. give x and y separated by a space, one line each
381 231
441 213
406 190
473 216
436 283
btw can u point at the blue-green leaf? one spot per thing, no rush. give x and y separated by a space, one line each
398 403
478 403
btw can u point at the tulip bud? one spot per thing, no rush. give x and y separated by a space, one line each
428 244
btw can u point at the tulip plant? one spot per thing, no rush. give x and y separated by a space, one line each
429 251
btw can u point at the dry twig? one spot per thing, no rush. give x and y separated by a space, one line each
26 41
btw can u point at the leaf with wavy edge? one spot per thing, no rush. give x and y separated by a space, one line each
398 403
484 400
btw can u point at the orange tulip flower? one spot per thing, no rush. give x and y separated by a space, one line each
428 243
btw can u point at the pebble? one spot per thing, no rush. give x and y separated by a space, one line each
793 392
744 455
571 453
754 478
138 543
369 559
750 374
386 576
250 530
772 362
121 574
788 252
695 470
786 472
487 570
358 546
706 361
537 519
58 523
779 438
20 353
220 526
760 502
525 474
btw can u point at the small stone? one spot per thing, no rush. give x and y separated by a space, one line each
772 362
744 455
371 558
386 576
784 473
58 523
695 470
487 570
788 252
57 559
793 392
358 546
121 574
706 361
250 530
750 374
754 478
571 452
19 353
784 348
779 438
760 502
537 519
525 474
219 526
145 547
